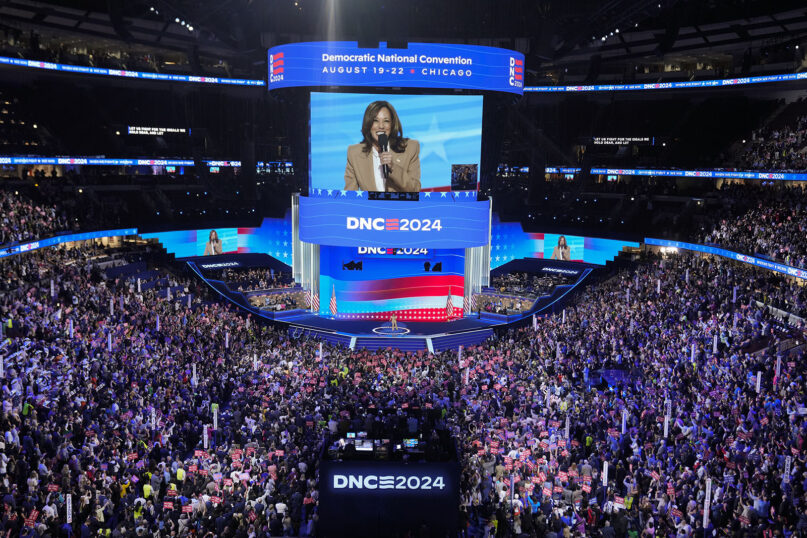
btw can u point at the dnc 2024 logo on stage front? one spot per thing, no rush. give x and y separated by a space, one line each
393 225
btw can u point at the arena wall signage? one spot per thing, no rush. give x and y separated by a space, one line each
736 256
715 174
61 239
420 65
717 83
427 223
87 70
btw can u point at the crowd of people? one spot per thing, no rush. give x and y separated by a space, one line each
160 418
23 219
767 221
501 304
525 284
780 148
253 278
290 300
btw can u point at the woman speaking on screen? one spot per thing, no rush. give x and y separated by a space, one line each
384 160
561 250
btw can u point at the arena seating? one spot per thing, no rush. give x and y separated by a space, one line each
76 421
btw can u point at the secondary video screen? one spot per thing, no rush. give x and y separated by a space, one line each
433 142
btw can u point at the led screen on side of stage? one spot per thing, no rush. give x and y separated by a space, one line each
447 128
272 237
372 283
510 242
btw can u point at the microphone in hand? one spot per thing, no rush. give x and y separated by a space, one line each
383 142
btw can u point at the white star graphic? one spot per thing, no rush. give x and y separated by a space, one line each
344 193
330 191
285 254
285 243
443 194
359 194
428 195
433 140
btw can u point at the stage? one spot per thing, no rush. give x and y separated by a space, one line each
365 334
432 336
365 327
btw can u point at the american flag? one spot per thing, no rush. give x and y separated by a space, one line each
333 300
449 306
313 300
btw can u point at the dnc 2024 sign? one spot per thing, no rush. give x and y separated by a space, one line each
420 65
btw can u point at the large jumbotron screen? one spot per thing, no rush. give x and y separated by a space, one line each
447 127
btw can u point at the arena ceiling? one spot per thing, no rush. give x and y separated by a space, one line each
550 32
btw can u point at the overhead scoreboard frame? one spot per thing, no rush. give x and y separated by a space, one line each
345 218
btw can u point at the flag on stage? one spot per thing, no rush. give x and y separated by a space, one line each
473 302
333 300
312 300
449 306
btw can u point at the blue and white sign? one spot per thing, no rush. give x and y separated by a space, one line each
420 65
95 161
725 174
736 256
714 83
60 239
86 70
428 223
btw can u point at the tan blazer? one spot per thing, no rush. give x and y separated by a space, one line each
404 174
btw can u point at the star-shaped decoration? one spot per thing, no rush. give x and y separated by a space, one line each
443 194
330 192
319 191
285 254
344 193
285 243
359 194
433 141
427 195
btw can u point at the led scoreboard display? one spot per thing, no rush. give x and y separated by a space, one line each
420 65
